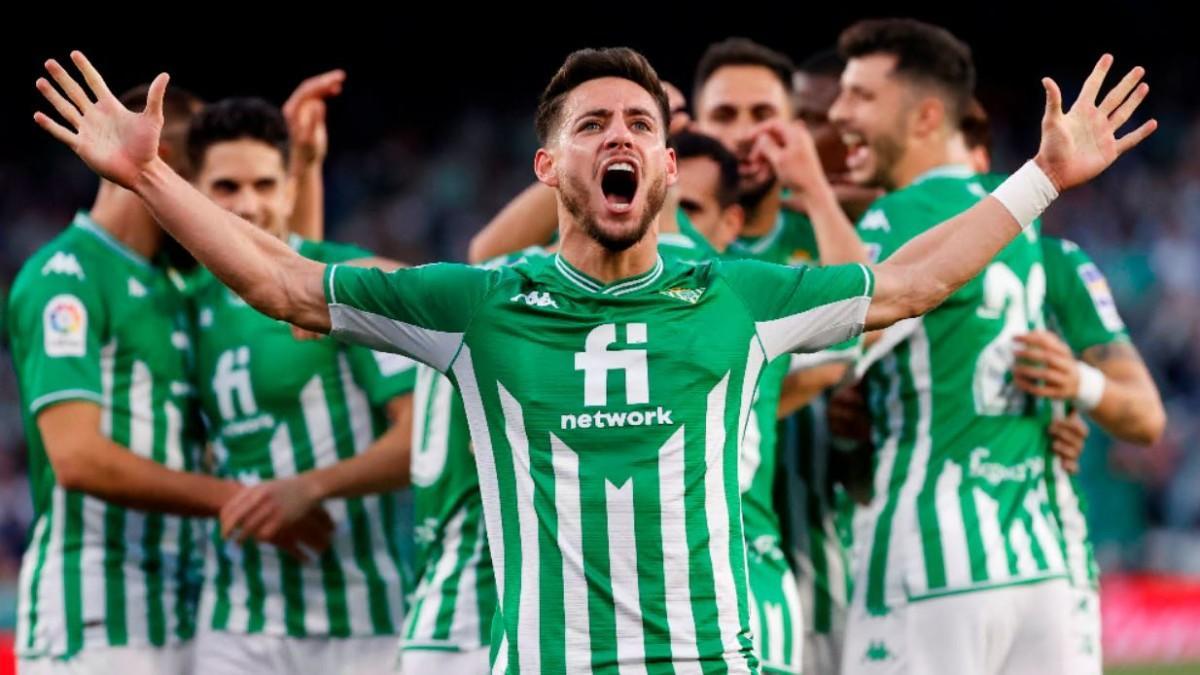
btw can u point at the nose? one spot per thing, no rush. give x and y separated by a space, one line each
245 204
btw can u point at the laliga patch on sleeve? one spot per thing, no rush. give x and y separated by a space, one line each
64 326
1102 299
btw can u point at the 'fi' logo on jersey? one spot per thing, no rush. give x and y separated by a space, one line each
596 360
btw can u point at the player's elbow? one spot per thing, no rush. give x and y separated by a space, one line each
1152 424
75 467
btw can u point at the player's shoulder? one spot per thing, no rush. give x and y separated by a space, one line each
68 262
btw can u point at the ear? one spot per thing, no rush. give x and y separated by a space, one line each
672 167
928 116
544 168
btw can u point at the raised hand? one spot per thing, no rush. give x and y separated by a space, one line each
113 141
1079 144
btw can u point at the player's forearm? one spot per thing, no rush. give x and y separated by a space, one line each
1130 408
802 387
837 241
308 215
114 474
530 219
926 270
261 269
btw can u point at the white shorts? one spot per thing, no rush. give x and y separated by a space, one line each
221 653
176 658
1001 631
1085 653
445 662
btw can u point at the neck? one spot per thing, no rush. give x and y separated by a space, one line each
763 218
923 157
588 256
123 215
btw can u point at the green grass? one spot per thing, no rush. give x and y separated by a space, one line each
1179 669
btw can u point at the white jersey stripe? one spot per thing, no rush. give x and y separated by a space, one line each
529 607
622 555
676 567
570 542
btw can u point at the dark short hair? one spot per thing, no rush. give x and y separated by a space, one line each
924 53
740 51
234 119
976 127
585 65
689 145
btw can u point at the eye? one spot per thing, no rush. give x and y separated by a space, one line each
590 125
641 125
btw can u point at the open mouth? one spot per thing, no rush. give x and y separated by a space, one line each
619 184
857 150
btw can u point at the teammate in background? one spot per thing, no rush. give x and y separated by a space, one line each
284 415
99 333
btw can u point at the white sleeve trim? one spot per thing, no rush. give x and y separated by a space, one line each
816 328
64 395
432 347
332 287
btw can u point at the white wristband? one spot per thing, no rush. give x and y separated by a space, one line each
1091 387
1026 193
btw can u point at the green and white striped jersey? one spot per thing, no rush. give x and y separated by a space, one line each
1080 307
611 502
960 498
455 599
275 407
92 320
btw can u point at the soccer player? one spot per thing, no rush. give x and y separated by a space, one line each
656 575
741 87
1079 308
963 567
100 345
277 407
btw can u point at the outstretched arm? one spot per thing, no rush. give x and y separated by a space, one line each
1076 146
122 146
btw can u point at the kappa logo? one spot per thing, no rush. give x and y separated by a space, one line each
63 263
535 299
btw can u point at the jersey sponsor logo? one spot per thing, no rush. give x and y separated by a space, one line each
235 395
1102 298
596 360
535 299
599 420
64 326
136 289
875 220
63 263
994 473
688 295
